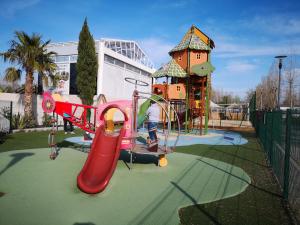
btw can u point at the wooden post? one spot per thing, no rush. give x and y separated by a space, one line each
186 106
202 103
207 105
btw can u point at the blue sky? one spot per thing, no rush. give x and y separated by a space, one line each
247 34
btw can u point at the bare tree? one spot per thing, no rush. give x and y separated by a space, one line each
266 91
291 76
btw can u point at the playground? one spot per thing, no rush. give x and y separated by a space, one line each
149 160
202 184
204 170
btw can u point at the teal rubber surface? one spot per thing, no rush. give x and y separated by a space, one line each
41 191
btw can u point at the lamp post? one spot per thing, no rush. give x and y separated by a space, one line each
280 57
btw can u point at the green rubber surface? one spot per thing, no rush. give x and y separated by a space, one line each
40 191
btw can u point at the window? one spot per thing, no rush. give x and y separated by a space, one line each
109 59
73 75
132 68
73 58
62 58
145 73
119 63
178 88
179 58
198 55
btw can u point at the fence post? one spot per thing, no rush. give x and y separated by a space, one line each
270 145
10 116
287 155
266 134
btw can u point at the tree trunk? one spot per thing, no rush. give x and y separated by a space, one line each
28 94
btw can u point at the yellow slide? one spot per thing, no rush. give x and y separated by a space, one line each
109 117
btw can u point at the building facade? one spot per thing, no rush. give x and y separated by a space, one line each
117 59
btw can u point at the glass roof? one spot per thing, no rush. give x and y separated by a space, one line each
130 49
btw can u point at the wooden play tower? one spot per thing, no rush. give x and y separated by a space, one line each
189 87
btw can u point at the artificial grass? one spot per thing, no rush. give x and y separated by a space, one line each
261 203
34 139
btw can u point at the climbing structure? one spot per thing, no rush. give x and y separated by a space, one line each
190 71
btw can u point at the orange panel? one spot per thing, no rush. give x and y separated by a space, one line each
159 89
181 58
176 91
193 57
202 36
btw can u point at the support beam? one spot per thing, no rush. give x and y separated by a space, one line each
187 104
207 104
202 103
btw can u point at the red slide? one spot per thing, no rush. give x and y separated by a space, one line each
101 162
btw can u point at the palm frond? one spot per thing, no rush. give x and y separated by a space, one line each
12 74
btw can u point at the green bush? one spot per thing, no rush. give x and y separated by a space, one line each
47 120
22 122
5 112
29 121
2 137
17 121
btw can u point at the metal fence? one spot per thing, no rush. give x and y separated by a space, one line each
279 133
234 115
5 117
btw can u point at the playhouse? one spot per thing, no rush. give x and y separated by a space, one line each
190 71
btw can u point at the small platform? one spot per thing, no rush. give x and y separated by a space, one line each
143 149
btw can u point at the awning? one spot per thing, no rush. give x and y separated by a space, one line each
171 69
203 69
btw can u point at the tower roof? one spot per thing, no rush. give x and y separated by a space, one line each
171 69
194 39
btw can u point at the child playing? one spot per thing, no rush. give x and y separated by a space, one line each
153 114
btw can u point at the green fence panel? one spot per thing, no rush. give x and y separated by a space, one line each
277 127
294 163
278 146
287 156
269 136
279 134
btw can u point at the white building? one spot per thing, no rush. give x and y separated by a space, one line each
117 59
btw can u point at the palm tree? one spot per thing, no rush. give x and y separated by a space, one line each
30 53
12 75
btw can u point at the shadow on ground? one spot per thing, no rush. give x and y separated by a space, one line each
16 157
4 137
138 158
87 223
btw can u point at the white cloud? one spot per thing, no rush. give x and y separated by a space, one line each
234 49
238 67
9 8
260 35
157 50
277 24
